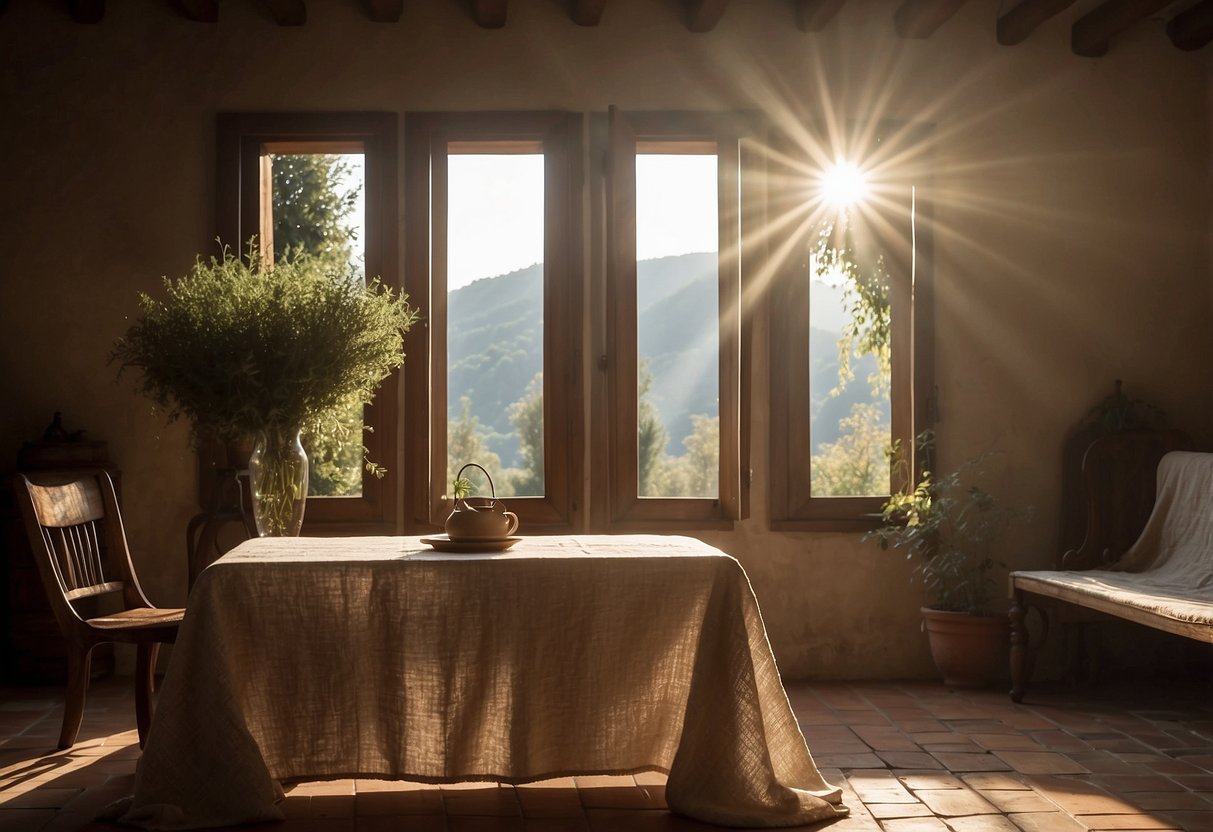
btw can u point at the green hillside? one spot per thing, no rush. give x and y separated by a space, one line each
495 349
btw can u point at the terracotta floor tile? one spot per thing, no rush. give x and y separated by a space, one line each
884 811
619 797
867 760
481 823
1104 762
40 798
23 820
1122 783
1196 782
549 802
957 746
1169 800
994 780
332 806
1059 740
1166 765
1190 821
954 802
1010 801
398 802
493 800
914 825
915 780
1006 742
1121 745
399 823
920 726
879 786
577 824
938 737
882 738
1046 822
970 761
1097 823
909 759
1079 797
1041 762
981 823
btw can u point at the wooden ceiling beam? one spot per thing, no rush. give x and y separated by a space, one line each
385 11
920 18
705 14
202 11
813 15
490 14
288 12
1022 20
1192 28
86 11
1093 32
587 12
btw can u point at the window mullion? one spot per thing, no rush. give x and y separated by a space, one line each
621 314
729 281
439 363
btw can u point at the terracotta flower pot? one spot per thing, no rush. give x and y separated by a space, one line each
970 651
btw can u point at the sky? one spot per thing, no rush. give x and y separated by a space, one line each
495 219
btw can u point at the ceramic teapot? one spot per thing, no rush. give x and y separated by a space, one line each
480 518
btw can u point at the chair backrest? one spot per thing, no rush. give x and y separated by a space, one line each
1119 476
75 533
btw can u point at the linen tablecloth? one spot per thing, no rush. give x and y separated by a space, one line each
316 658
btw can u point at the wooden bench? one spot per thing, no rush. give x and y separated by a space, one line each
1148 552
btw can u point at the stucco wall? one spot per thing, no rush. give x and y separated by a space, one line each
1071 199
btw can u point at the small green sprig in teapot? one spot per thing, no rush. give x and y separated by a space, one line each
461 488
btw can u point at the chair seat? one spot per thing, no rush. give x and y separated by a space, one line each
139 617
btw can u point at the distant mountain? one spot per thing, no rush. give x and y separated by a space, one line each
495 349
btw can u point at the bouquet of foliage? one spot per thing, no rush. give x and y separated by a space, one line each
239 346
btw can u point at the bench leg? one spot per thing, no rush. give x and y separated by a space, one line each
1020 661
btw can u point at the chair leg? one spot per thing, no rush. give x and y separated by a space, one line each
79 660
145 679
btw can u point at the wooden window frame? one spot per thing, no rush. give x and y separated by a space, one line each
909 246
428 140
628 134
242 140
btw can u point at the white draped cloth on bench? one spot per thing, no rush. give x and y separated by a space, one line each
378 657
1168 573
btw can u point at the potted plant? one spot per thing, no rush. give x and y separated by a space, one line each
243 348
948 526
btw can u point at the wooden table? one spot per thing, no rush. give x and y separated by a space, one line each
319 658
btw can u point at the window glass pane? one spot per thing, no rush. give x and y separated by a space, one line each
677 326
318 205
495 320
849 370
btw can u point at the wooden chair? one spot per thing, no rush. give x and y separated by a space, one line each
75 532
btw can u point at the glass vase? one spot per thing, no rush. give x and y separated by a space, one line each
278 477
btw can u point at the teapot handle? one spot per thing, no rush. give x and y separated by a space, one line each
492 489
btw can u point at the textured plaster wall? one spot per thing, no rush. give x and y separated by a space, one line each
1071 199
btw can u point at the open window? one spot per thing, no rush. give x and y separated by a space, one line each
850 337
